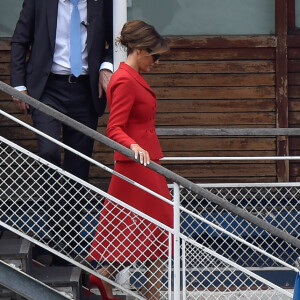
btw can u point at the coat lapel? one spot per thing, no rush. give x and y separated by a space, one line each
52 7
138 77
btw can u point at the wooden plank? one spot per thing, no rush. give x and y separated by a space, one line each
224 170
219 54
294 66
293 79
5 78
295 170
291 14
4 56
206 80
211 170
7 105
3 97
28 144
203 119
4 69
259 66
293 53
201 144
294 143
293 41
5 44
294 104
281 24
214 92
231 179
210 106
10 123
222 41
294 92
200 106
294 118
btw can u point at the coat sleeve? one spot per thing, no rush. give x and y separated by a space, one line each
21 41
122 100
108 19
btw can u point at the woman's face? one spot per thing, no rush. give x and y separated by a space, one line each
145 61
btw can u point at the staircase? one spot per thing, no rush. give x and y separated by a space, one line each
23 255
211 258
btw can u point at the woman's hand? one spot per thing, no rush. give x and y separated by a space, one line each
144 155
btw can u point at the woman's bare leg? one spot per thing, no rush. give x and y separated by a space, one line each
154 275
109 273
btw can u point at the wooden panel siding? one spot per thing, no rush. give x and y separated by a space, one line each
203 82
294 101
218 82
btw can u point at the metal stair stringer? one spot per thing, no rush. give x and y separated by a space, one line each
25 285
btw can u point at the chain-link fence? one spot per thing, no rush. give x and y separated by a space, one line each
62 212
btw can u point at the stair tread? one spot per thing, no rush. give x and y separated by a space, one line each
58 275
14 248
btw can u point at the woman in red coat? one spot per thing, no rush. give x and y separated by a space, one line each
123 237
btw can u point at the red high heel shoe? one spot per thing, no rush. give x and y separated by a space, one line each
95 281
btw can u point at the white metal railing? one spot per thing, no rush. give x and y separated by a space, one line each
191 258
226 158
212 251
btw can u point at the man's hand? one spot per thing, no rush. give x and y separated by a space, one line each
104 78
22 106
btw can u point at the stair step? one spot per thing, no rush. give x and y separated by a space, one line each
14 248
7 234
16 251
60 276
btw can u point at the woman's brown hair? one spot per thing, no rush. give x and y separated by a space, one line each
137 34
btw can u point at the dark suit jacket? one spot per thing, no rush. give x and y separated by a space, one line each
36 30
132 105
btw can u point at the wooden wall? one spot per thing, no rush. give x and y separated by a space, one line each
209 82
294 101
218 82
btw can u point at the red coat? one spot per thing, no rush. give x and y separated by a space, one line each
122 235
133 109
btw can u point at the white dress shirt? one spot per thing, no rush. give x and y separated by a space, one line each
61 57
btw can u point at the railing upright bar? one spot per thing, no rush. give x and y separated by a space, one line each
183 271
170 267
176 196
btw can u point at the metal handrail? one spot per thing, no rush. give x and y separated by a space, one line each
154 166
229 131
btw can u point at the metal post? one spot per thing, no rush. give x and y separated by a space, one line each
176 242
170 266
119 18
183 271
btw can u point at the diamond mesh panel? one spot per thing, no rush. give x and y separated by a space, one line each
62 212
278 206
214 279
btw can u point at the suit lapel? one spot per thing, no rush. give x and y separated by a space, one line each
52 8
93 7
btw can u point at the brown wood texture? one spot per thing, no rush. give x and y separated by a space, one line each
211 82
281 24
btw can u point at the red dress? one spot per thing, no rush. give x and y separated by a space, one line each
122 235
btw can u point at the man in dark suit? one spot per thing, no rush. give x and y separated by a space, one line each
43 31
